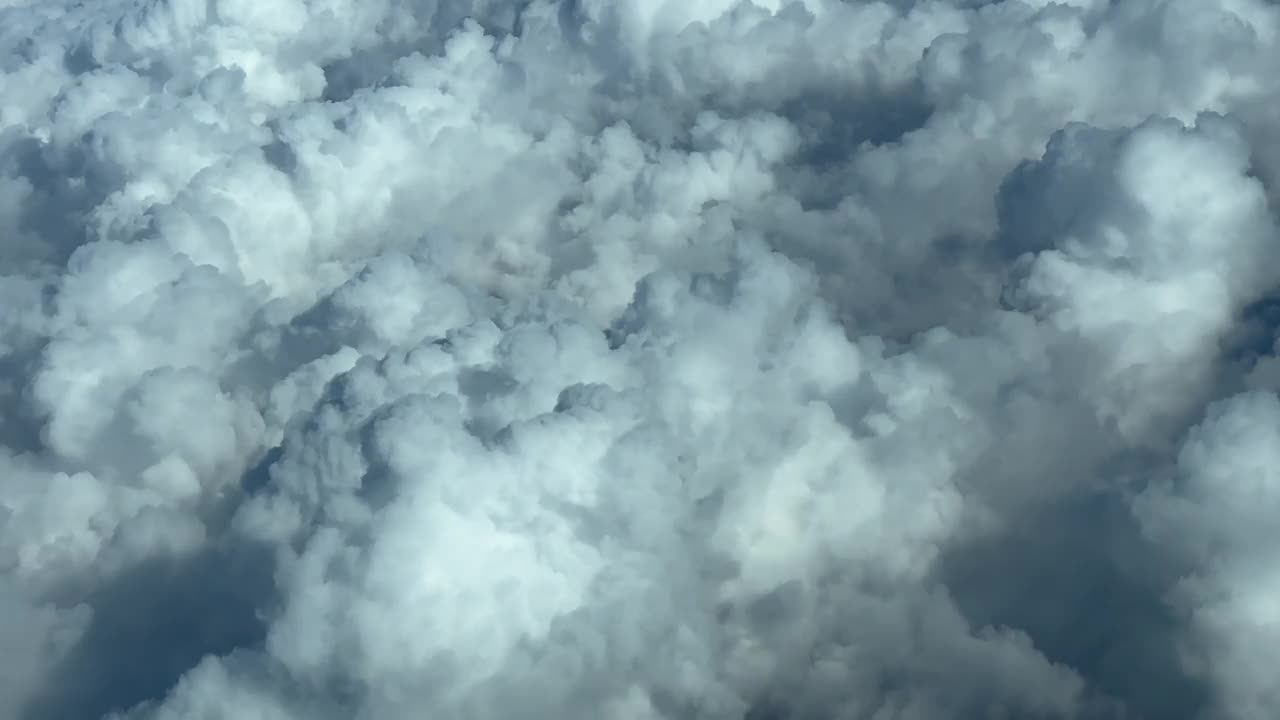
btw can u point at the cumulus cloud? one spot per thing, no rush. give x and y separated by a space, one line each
1210 515
728 359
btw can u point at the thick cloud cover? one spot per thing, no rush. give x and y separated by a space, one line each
639 359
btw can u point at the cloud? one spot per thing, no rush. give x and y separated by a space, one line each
637 360
1211 515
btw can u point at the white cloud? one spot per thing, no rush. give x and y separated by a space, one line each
1216 517
636 360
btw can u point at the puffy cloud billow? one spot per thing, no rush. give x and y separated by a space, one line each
639 360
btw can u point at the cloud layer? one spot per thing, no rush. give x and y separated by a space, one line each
639 360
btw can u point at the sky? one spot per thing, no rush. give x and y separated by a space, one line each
639 359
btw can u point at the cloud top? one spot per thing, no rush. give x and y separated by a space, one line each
638 360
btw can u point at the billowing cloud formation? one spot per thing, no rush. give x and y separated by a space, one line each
892 359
